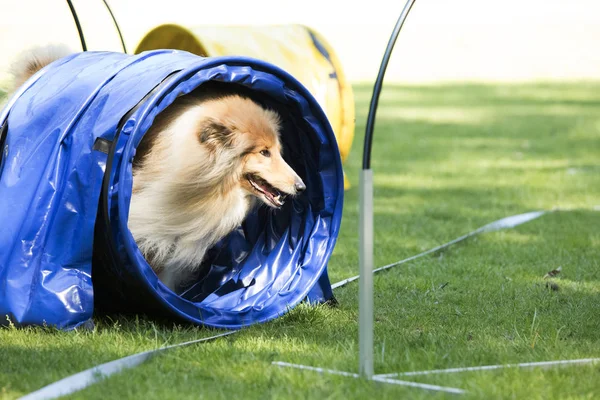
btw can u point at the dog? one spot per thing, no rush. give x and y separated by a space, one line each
207 160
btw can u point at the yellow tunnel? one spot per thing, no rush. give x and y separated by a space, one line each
297 49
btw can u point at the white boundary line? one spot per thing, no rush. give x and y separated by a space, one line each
426 386
83 379
389 378
315 369
541 364
504 223
375 378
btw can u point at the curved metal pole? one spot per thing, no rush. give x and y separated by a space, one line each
379 84
365 291
79 30
116 26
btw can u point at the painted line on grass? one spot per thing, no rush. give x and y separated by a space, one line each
426 386
377 378
504 223
315 369
81 380
541 364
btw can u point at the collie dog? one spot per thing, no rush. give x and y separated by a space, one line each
206 161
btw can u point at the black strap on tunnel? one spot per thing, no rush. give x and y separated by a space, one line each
378 85
104 194
3 134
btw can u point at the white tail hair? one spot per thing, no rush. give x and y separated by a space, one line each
32 60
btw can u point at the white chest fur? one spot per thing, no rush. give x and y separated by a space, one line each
177 239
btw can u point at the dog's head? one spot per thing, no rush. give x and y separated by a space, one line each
240 126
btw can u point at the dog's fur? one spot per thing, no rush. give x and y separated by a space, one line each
31 61
207 159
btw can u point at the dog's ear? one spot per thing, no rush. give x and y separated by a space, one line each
213 133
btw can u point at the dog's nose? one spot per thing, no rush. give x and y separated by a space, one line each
300 186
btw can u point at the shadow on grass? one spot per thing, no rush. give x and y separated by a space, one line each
494 307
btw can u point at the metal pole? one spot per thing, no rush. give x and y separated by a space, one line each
379 84
365 294
116 26
365 288
78 25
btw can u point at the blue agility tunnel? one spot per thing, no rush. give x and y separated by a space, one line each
69 136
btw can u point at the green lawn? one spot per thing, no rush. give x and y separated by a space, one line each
446 159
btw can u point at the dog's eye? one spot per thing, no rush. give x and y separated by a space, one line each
265 153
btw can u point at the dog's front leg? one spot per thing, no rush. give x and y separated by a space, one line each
169 278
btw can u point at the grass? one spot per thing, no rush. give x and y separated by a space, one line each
446 159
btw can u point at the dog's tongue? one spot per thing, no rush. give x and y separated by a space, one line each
265 188
275 199
270 193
